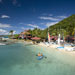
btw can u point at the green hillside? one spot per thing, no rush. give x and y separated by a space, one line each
64 27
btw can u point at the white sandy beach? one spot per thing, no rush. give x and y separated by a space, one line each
72 53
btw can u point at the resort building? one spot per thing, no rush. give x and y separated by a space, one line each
25 35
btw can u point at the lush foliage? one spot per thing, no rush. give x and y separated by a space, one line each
64 27
16 36
38 33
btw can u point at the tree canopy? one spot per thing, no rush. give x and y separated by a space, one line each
64 27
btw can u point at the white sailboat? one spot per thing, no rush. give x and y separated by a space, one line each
59 45
48 37
59 39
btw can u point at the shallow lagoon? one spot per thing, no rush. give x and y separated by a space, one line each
18 59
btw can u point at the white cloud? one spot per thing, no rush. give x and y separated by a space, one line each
53 18
49 18
5 25
23 28
14 32
3 32
5 16
51 23
62 17
33 25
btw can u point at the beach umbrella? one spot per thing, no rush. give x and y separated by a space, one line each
59 39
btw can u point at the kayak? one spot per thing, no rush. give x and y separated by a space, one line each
40 57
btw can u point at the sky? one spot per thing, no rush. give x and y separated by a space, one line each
20 15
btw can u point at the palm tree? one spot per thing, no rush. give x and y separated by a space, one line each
73 33
11 32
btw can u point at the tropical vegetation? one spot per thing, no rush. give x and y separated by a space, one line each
64 27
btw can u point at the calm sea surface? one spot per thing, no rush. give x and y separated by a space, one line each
18 59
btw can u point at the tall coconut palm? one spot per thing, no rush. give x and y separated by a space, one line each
11 32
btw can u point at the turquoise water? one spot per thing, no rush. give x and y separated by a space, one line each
18 59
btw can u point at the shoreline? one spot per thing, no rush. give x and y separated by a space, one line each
72 53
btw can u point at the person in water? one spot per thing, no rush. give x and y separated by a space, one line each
40 54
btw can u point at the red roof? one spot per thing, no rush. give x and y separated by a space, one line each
35 38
